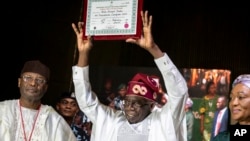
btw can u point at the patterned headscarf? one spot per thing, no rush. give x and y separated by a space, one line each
243 79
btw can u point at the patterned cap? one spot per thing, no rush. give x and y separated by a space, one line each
144 86
243 79
36 66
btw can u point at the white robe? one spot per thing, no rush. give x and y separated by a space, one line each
165 124
50 126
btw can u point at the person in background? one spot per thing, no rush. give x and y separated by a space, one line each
137 122
220 122
207 110
118 100
240 100
26 118
82 126
189 119
161 97
67 107
107 94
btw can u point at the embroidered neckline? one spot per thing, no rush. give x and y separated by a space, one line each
22 121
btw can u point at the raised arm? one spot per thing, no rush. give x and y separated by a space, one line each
146 41
84 46
173 80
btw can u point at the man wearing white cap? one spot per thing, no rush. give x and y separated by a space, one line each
137 121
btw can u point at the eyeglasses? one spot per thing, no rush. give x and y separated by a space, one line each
27 78
135 104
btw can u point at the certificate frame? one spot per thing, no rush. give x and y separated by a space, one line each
112 19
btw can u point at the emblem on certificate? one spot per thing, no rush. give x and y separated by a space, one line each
112 19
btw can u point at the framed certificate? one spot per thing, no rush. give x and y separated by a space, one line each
112 19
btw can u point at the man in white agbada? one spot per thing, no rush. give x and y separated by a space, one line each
27 119
137 121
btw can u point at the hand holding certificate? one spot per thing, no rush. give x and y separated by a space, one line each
112 19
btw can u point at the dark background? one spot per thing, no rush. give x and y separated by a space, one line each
201 34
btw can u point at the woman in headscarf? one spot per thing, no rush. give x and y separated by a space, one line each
240 100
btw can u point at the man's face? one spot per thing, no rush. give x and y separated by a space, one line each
122 91
67 107
240 103
136 108
32 86
221 103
